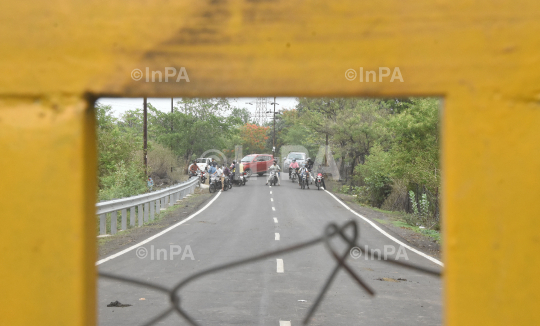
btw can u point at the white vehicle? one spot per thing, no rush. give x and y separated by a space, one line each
203 162
299 156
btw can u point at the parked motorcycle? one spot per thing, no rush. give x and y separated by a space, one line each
202 176
240 180
215 184
319 181
273 178
227 183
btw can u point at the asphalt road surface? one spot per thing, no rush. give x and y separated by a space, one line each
251 220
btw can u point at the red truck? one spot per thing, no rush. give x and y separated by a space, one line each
257 163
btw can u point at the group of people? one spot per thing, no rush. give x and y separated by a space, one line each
220 171
223 171
306 169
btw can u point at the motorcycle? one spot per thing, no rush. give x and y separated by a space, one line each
304 181
215 183
240 180
319 181
273 178
227 183
201 176
294 175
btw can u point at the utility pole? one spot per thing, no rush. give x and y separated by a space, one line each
274 134
145 137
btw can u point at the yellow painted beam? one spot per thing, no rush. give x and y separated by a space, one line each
481 57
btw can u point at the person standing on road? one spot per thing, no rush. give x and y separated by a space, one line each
219 174
274 167
233 170
211 169
226 174
150 183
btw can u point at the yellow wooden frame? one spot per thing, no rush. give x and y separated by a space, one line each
481 56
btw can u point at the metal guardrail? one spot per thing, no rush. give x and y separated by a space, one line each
142 207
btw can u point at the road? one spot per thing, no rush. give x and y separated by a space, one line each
275 291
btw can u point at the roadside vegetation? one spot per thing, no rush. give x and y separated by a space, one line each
387 150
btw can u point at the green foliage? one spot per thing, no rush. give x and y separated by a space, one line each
126 180
381 145
193 126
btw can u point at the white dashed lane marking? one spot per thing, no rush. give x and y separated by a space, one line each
273 208
280 268
277 236
271 199
284 323
275 219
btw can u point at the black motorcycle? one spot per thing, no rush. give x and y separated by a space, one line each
294 175
304 181
240 180
227 183
215 184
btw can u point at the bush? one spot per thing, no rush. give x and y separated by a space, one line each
127 180
376 176
397 200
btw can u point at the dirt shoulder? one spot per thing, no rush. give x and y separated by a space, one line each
394 224
124 239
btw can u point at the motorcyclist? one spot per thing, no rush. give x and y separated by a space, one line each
211 169
193 169
320 170
233 170
293 166
274 167
219 173
303 170
226 174
309 166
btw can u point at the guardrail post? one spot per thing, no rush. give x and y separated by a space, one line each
158 205
140 214
146 212
152 208
114 227
124 219
171 200
132 216
103 224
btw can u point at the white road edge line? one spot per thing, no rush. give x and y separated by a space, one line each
277 236
280 268
284 323
99 262
385 233
275 219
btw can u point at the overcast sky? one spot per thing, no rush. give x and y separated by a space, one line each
121 105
